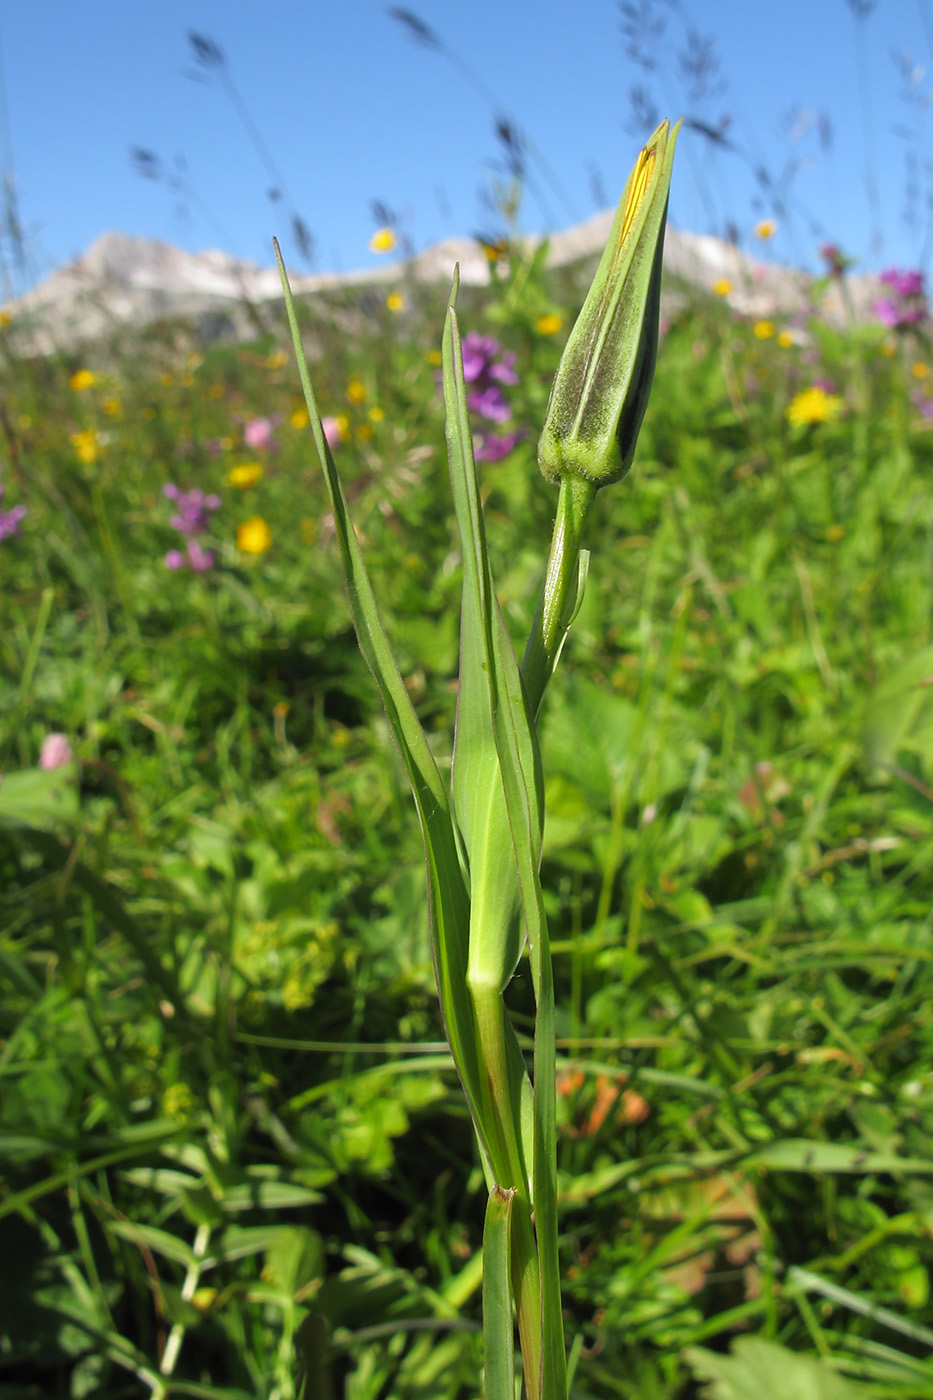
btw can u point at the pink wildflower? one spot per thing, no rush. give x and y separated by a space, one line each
257 434
56 752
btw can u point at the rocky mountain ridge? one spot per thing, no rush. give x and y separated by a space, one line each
126 280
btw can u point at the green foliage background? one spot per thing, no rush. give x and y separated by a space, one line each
231 1134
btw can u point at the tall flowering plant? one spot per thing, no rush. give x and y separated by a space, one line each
482 834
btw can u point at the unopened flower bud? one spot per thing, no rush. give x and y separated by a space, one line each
601 388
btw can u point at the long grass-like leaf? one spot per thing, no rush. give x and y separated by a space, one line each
448 898
498 1343
518 756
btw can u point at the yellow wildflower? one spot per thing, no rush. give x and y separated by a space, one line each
763 330
549 324
245 475
434 357
277 360
82 379
166 379
785 340
216 391
253 536
356 391
920 370
5 319
85 446
723 287
376 414
494 249
765 229
178 1102
382 241
343 427
364 431
111 407
299 418
395 301
813 406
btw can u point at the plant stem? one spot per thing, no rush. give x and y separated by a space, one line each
502 1091
173 1346
559 593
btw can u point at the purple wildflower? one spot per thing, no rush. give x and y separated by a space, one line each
922 403
478 352
903 284
480 365
486 368
906 305
192 517
194 509
490 403
493 447
835 259
10 519
194 557
199 559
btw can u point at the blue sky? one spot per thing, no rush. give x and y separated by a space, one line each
350 110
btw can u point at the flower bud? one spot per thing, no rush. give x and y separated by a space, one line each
601 388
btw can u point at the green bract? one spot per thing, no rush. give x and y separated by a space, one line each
601 388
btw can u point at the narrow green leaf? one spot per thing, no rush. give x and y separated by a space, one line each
801 1155
448 899
268 1195
159 1241
165 1180
866 1307
498 1336
516 747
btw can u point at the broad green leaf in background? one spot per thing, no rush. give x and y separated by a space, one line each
763 1370
39 799
899 713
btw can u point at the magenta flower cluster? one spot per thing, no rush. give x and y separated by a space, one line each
193 511
10 519
486 369
906 303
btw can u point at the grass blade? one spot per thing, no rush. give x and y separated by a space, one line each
498 1340
448 899
519 765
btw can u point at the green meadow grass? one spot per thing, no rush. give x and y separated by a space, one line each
235 1157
